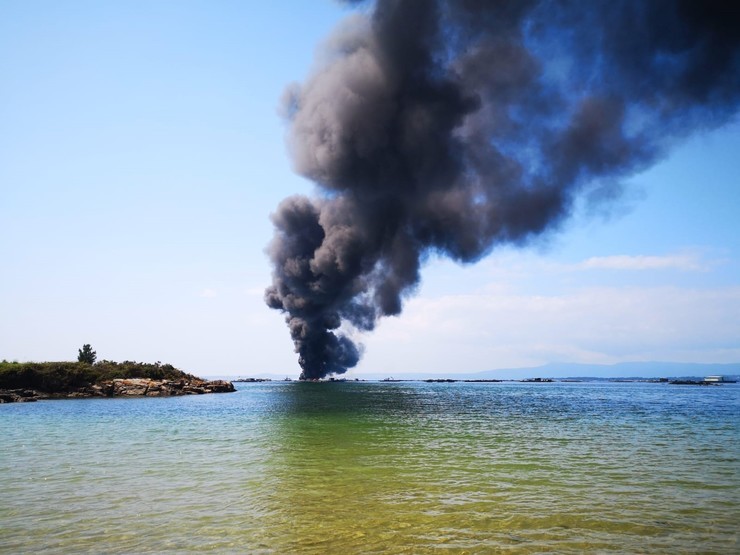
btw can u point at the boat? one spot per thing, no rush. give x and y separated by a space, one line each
718 379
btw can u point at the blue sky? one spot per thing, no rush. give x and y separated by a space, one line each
141 154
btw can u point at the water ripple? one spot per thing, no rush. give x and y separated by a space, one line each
377 468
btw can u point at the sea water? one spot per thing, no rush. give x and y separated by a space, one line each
362 467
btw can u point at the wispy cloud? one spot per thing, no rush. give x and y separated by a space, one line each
688 262
208 293
589 325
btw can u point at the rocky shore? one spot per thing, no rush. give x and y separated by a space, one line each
30 381
123 387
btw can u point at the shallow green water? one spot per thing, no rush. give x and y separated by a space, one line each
377 468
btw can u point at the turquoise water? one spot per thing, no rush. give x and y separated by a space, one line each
377 468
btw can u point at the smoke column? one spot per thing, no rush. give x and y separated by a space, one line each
448 127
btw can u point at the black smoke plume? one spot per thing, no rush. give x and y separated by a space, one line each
448 127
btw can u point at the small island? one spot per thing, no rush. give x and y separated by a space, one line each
31 381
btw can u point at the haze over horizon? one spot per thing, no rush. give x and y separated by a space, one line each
143 154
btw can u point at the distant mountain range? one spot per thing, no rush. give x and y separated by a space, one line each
619 370
577 370
565 370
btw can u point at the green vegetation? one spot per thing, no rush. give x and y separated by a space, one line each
68 376
86 354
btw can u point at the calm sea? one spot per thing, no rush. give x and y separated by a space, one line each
377 468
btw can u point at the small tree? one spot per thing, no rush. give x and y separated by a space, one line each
86 354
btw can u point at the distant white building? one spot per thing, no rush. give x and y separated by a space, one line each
714 379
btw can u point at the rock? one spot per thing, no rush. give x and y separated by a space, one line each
125 387
130 386
165 388
20 395
220 386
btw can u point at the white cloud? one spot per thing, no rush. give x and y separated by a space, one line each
682 261
517 309
590 325
208 293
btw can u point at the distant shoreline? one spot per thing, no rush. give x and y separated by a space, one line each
687 380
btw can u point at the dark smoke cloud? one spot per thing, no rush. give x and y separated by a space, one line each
449 127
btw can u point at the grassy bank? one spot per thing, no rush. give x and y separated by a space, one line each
55 377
